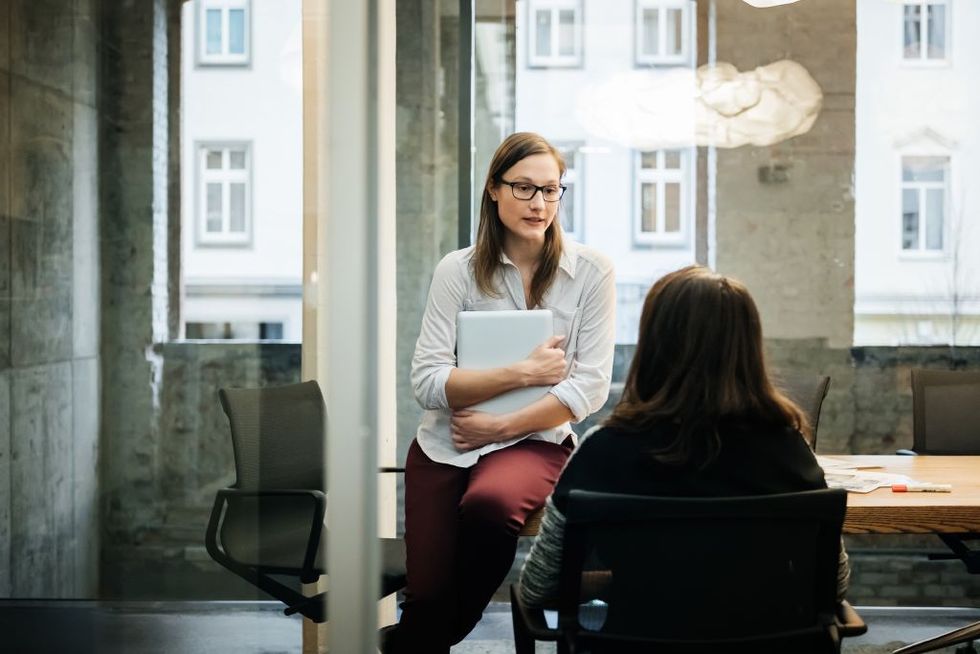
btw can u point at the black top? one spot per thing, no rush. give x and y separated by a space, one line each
754 460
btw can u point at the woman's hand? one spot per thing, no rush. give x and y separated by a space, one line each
474 429
545 366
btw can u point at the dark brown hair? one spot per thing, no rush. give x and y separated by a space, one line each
699 359
490 234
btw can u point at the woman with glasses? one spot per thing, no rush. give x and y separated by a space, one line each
472 478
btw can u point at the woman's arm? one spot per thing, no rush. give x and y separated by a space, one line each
539 575
545 366
474 429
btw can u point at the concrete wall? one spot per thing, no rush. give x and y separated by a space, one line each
49 295
792 242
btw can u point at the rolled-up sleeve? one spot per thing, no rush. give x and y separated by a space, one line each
435 350
586 387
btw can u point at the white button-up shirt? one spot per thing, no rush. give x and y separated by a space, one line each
582 299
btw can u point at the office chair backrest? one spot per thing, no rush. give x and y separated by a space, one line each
704 570
277 434
808 391
946 411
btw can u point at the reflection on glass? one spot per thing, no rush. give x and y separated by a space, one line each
237 158
236 31
651 31
911 35
910 219
675 26
937 32
648 159
213 31
214 207
924 169
566 32
672 207
672 159
935 211
543 36
236 207
214 160
649 208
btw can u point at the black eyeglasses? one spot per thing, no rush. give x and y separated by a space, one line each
525 191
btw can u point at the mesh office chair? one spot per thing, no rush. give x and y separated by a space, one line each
271 521
946 420
644 574
808 391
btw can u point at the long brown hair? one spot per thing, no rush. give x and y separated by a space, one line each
490 234
699 359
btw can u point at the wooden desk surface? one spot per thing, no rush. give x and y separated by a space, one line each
884 512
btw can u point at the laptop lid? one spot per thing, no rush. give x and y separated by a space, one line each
492 339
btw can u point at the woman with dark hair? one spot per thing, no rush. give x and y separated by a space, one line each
472 478
699 417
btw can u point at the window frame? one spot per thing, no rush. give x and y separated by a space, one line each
223 58
923 61
574 177
922 252
641 59
661 176
203 175
555 60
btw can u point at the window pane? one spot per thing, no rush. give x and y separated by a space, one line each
566 32
236 31
214 160
675 28
651 31
568 208
543 33
648 210
672 207
568 154
910 219
937 32
672 159
935 210
648 159
237 159
213 31
924 169
237 207
214 207
911 36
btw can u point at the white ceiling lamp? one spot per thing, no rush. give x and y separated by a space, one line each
762 4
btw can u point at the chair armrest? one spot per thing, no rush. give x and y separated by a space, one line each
849 623
390 469
907 452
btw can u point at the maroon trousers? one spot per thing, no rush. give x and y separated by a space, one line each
461 527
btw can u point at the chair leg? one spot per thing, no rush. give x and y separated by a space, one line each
959 636
523 641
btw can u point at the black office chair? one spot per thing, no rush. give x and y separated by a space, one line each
808 391
946 420
271 521
643 574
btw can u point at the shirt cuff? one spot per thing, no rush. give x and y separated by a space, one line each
572 398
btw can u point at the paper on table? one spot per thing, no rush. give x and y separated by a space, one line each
832 465
856 481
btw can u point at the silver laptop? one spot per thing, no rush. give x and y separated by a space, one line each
492 339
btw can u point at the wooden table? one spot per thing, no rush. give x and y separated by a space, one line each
884 512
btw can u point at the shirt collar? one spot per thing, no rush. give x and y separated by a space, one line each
567 261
